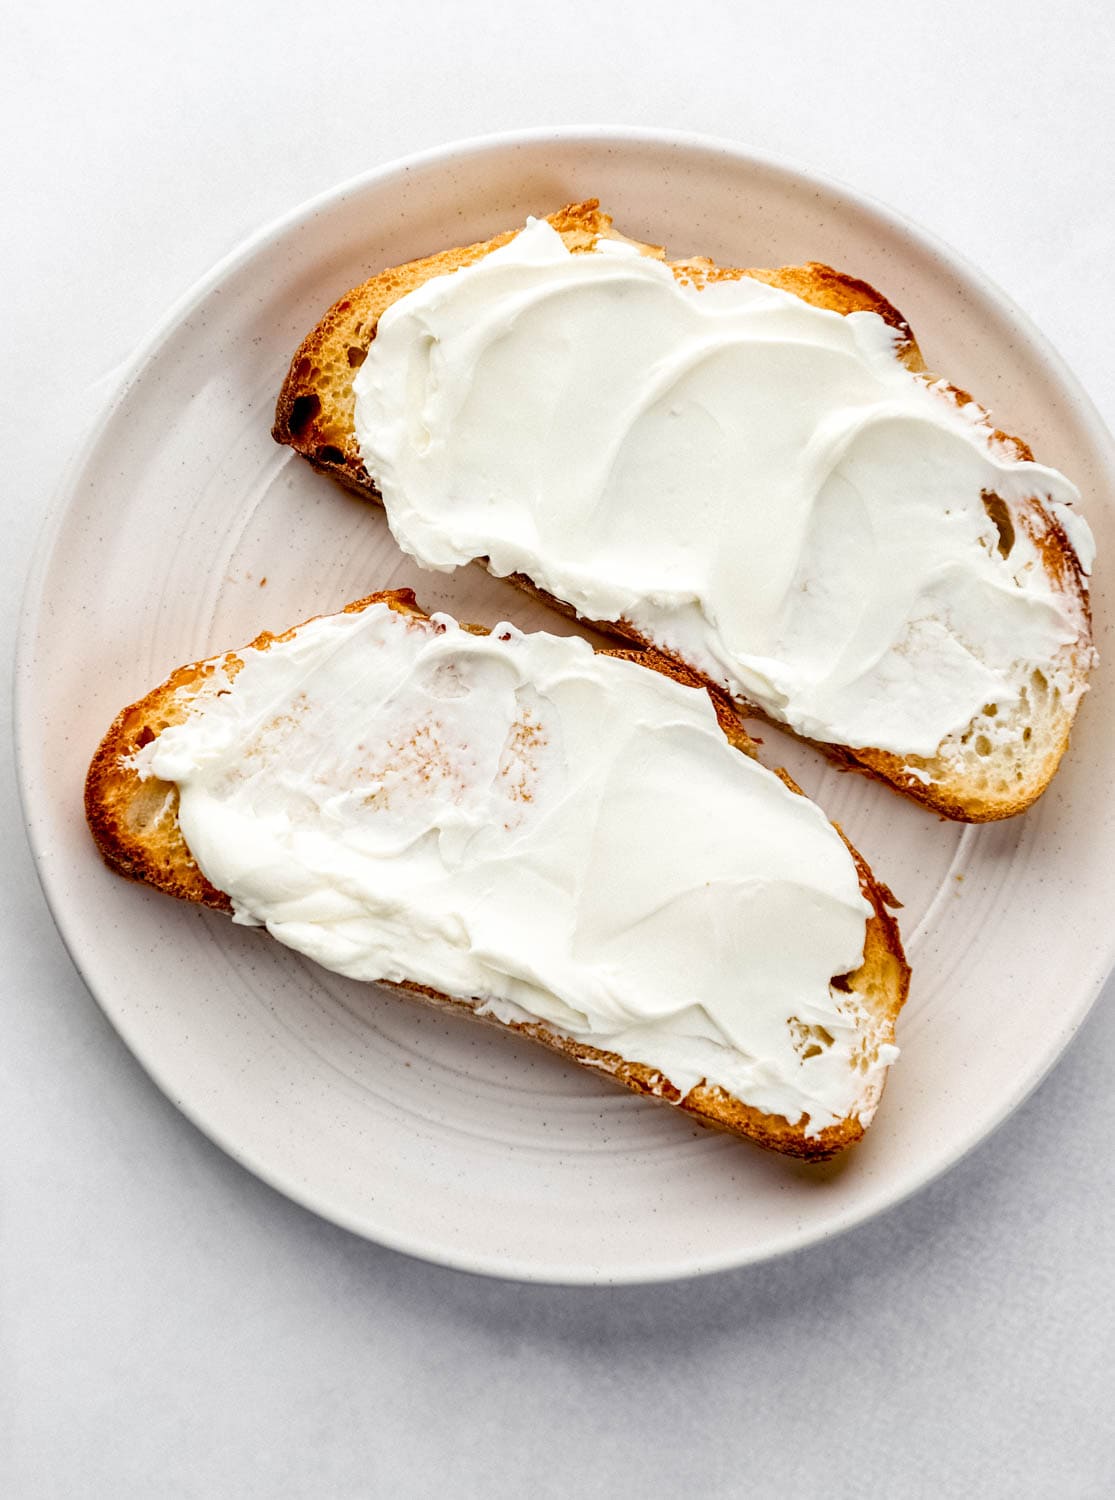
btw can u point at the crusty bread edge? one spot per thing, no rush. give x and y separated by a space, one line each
351 321
581 224
881 766
112 781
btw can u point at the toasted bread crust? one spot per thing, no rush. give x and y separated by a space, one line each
314 416
134 823
951 798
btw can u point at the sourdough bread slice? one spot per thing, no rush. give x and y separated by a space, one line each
995 766
135 824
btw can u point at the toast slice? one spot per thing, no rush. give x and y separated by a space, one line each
994 767
134 822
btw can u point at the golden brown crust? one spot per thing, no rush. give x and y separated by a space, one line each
820 286
134 823
314 410
884 971
956 797
314 416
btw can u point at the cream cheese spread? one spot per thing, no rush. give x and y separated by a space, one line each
556 834
757 484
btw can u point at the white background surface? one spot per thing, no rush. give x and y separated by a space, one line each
170 1326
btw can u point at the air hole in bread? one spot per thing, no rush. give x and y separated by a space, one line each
302 412
330 455
996 508
808 1040
990 710
1039 680
356 356
145 736
983 745
1027 735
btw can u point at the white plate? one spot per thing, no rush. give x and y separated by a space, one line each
183 529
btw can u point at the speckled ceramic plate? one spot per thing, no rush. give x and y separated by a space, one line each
183 529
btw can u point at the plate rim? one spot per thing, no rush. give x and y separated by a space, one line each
130 372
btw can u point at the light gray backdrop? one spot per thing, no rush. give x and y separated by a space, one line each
170 1327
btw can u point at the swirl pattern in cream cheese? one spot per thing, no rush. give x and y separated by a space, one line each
557 834
755 483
